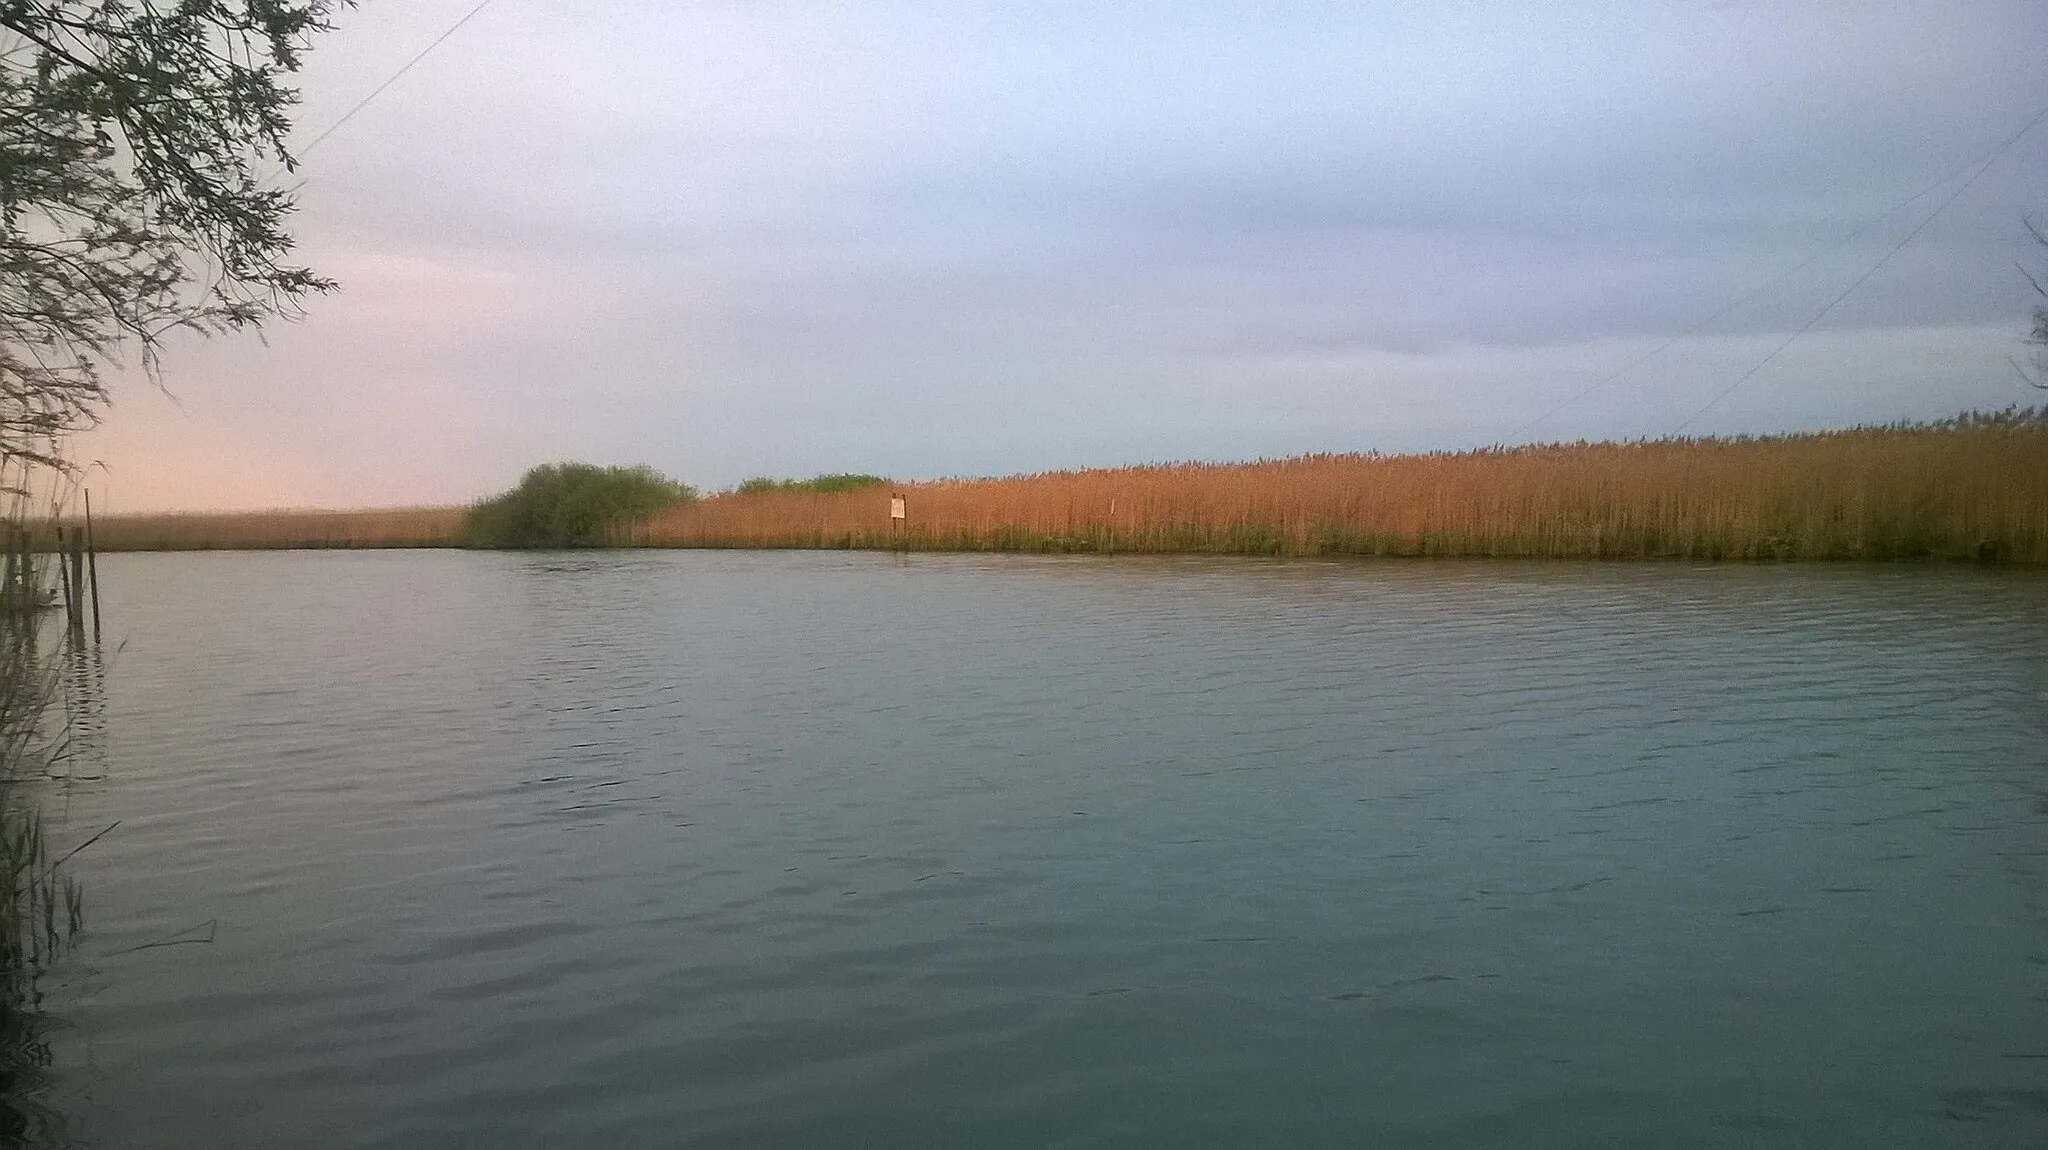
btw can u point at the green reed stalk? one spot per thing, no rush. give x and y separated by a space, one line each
41 909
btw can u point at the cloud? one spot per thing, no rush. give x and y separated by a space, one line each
920 239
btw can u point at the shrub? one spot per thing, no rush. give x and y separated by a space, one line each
571 505
819 485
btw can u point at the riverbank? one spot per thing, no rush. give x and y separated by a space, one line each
1969 489
282 530
1974 488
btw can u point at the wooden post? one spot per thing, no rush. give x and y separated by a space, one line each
898 520
92 560
64 574
78 580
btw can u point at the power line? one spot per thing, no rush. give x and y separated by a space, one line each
1778 278
1871 271
1738 301
395 77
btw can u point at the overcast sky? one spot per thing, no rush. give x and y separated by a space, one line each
730 239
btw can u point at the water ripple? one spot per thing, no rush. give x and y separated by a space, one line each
820 850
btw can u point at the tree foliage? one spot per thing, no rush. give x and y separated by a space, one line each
571 505
138 144
818 485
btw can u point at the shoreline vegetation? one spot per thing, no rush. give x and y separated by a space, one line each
571 505
286 530
1974 488
41 905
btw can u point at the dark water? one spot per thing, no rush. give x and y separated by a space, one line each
821 850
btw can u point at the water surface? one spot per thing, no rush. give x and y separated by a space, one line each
801 849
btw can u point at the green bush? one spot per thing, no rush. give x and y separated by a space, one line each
571 505
821 485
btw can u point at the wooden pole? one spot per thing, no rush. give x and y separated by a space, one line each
92 560
78 580
64 575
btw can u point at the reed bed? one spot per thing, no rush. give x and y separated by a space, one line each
1975 488
281 530
41 906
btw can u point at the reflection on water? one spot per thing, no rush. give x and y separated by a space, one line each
818 850
52 716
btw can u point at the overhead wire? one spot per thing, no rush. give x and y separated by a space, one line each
1980 164
1996 154
394 77
1738 301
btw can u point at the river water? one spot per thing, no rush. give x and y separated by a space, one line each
809 849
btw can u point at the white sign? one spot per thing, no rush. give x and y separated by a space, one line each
895 507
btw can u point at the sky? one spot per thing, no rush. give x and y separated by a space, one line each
933 239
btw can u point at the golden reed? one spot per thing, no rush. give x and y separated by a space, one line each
1971 488
281 530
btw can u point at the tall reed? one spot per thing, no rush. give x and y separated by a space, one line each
281 530
40 907
1974 487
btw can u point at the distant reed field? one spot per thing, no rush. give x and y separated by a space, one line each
1976 488
280 530
1971 488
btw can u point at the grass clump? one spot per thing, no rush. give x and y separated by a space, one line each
817 485
571 505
